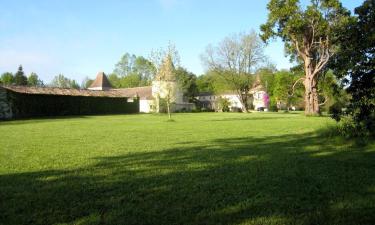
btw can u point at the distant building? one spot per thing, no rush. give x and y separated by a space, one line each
259 99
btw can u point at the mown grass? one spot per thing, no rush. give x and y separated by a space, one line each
258 168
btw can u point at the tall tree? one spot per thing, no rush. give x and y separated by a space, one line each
33 80
355 64
235 59
19 77
63 82
7 78
125 65
145 69
309 35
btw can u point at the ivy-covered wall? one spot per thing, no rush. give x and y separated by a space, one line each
37 105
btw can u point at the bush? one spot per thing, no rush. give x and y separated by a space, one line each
348 128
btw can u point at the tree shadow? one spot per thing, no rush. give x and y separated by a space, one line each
290 179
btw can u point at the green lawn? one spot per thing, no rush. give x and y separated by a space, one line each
257 168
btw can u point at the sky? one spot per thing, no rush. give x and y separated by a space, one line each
78 38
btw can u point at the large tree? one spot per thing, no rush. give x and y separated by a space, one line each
61 81
235 60
355 63
7 78
187 82
310 36
19 77
33 80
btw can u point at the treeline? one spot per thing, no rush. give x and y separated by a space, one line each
19 78
33 80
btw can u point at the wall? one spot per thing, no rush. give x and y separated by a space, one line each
39 105
5 108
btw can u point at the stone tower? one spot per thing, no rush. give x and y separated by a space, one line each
165 85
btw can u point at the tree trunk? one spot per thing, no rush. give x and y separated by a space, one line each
311 94
311 91
169 109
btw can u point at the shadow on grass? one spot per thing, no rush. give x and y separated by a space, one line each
291 179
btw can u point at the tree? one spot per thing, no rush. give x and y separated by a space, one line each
145 69
86 83
125 65
19 77
61 81
114 79
310 36
33 80
187 82
205 83
131 80
355 64
7 78
235 59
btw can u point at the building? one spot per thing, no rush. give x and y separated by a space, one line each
259 99
25 102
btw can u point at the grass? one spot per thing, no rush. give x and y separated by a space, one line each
258 168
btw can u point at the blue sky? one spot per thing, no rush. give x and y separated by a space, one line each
78 38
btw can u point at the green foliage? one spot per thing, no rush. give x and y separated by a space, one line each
188 83
132 71
115 80
355 64
33 80
7 78
223 104
27 105
61 81
20 78
125 65
86 83
131 80
205 83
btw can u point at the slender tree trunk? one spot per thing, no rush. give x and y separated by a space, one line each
169 109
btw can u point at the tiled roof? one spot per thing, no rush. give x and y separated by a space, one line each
101 81
142 92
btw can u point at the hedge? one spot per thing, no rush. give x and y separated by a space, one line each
36 105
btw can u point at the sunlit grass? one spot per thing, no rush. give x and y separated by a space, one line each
208 168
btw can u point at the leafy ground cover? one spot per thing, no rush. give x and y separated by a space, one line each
207 168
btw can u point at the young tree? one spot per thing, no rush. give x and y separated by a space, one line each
235 59
309 35
7 78
19 77
355 64
33 80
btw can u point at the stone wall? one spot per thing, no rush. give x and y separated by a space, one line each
5 108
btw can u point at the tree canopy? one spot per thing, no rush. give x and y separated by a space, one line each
310 35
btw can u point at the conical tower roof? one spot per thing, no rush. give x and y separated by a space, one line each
101 82
166 70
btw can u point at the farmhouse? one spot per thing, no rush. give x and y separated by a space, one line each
259 99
